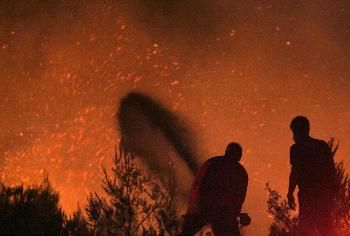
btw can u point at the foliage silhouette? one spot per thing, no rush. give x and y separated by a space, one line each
34 210
77 225
30 211
285 221
134 204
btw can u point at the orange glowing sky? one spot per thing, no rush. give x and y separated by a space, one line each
233 70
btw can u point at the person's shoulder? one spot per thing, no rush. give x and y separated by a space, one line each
241 168
213 160
243 172
324 143
319 142
293 146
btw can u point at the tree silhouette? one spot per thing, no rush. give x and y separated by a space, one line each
30 211
134 204
77 225
285 221
34 210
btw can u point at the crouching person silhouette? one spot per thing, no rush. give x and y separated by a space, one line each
217 195
313 171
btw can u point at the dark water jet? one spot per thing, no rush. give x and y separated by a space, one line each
140 117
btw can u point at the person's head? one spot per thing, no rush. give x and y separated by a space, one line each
300 127
234 151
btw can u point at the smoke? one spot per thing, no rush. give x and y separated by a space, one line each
239 70
179 19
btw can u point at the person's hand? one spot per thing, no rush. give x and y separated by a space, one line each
291 201
244 219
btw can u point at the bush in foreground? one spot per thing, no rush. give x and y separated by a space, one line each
134 204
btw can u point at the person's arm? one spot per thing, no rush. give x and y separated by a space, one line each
244 191
293 179
195 189
198 179
244 218
237 198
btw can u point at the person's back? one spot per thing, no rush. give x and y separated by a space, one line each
224 186
217 194
313 161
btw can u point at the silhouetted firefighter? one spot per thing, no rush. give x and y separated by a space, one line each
217 195
313 171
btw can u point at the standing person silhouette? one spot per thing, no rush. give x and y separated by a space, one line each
217 195
313 171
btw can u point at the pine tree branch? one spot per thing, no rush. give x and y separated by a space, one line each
148 215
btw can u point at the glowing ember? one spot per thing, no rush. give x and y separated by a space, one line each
233 70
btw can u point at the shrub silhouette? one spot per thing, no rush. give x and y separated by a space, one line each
134 204
285 221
